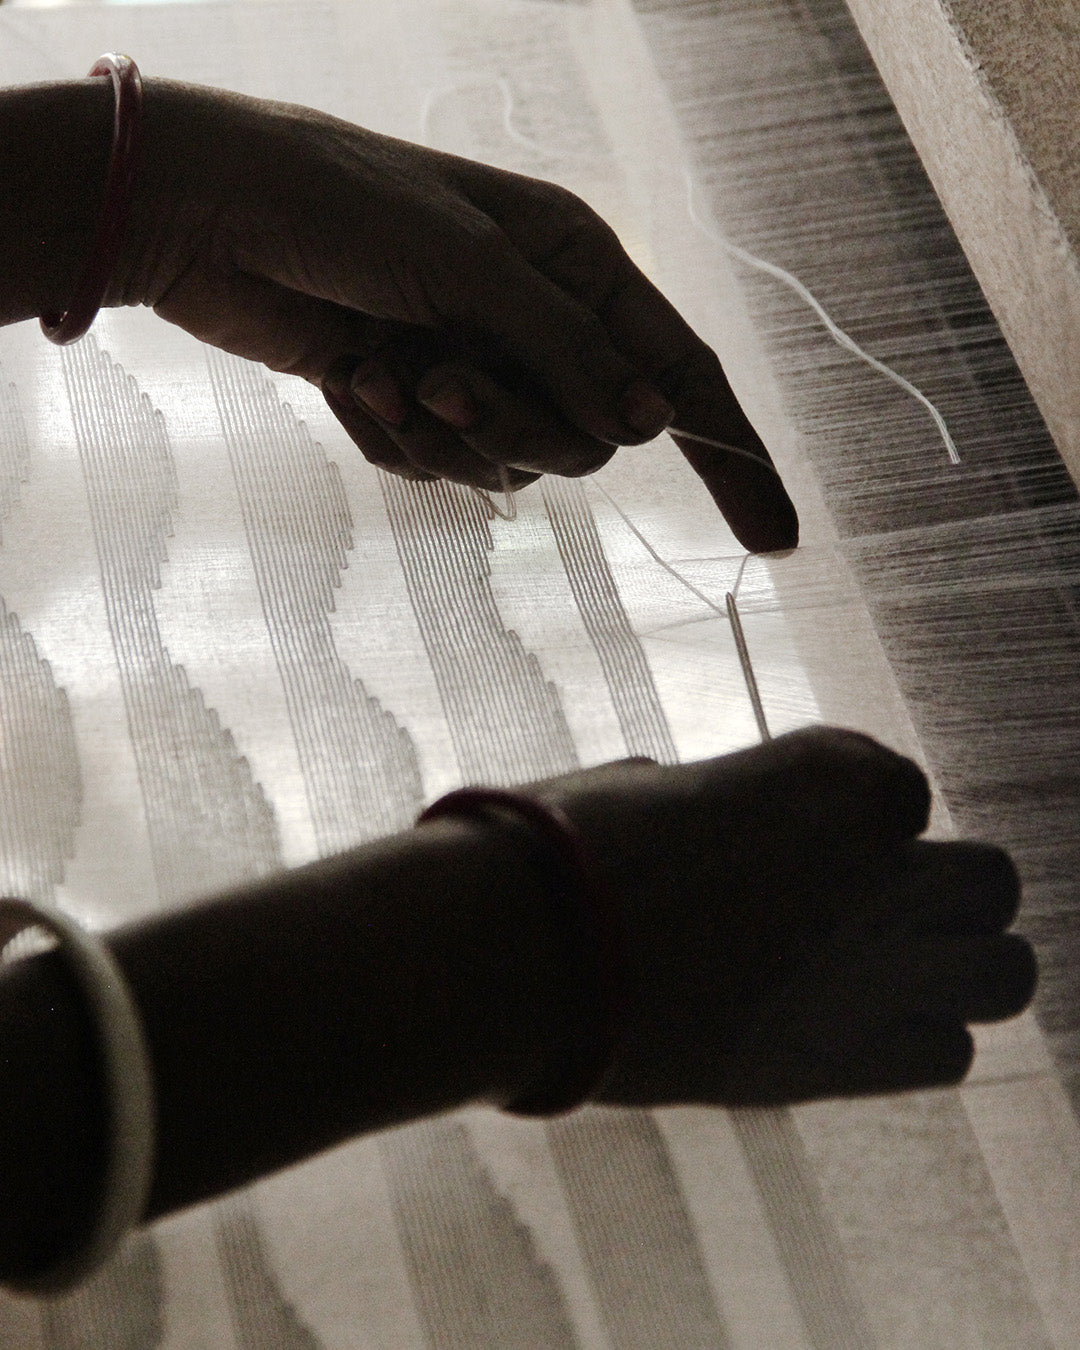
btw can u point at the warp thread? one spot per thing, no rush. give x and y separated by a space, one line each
508 511
710 230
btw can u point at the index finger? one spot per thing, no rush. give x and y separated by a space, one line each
659 342
572 246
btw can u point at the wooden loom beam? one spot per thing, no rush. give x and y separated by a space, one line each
989 94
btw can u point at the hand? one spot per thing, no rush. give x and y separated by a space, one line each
787 935
457 317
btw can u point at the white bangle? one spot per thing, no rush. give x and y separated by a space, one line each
128 1092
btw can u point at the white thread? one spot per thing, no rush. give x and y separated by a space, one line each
508 511
730 612
724 445
834 330
475 82
780 274
656 556
739 576
838 335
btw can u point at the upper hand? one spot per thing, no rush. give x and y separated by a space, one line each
457 317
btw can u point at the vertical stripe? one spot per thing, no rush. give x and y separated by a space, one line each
504 717
635 1230
622 658
40 781
805 1234
484 673
802 1228
359 763
209 821
14 448
262 1316
478 1278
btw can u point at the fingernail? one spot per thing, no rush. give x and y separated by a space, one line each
379 392
452 403
645 410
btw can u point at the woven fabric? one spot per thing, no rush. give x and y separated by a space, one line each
228 644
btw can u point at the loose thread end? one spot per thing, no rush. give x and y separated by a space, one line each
838 335
509 510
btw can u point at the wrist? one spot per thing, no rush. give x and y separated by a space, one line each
417 974
512 934
54 155
173 193
589 1007
55 143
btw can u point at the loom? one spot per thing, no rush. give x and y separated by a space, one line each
224 648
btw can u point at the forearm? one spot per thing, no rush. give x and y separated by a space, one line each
54 154
410 977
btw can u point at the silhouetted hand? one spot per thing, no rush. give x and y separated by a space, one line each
788 936
457 317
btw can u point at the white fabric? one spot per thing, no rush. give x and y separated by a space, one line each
226 647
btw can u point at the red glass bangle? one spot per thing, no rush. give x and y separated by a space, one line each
589 1052
100 268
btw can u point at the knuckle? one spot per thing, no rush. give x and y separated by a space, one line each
850 766
567 203
390 461
815 750
998 883
992 862
380 459
587 256
566 216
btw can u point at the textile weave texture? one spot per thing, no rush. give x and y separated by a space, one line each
227 644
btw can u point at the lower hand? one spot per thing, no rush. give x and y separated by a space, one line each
788 936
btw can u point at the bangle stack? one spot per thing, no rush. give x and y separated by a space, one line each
128 1093
587 1055
100 268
